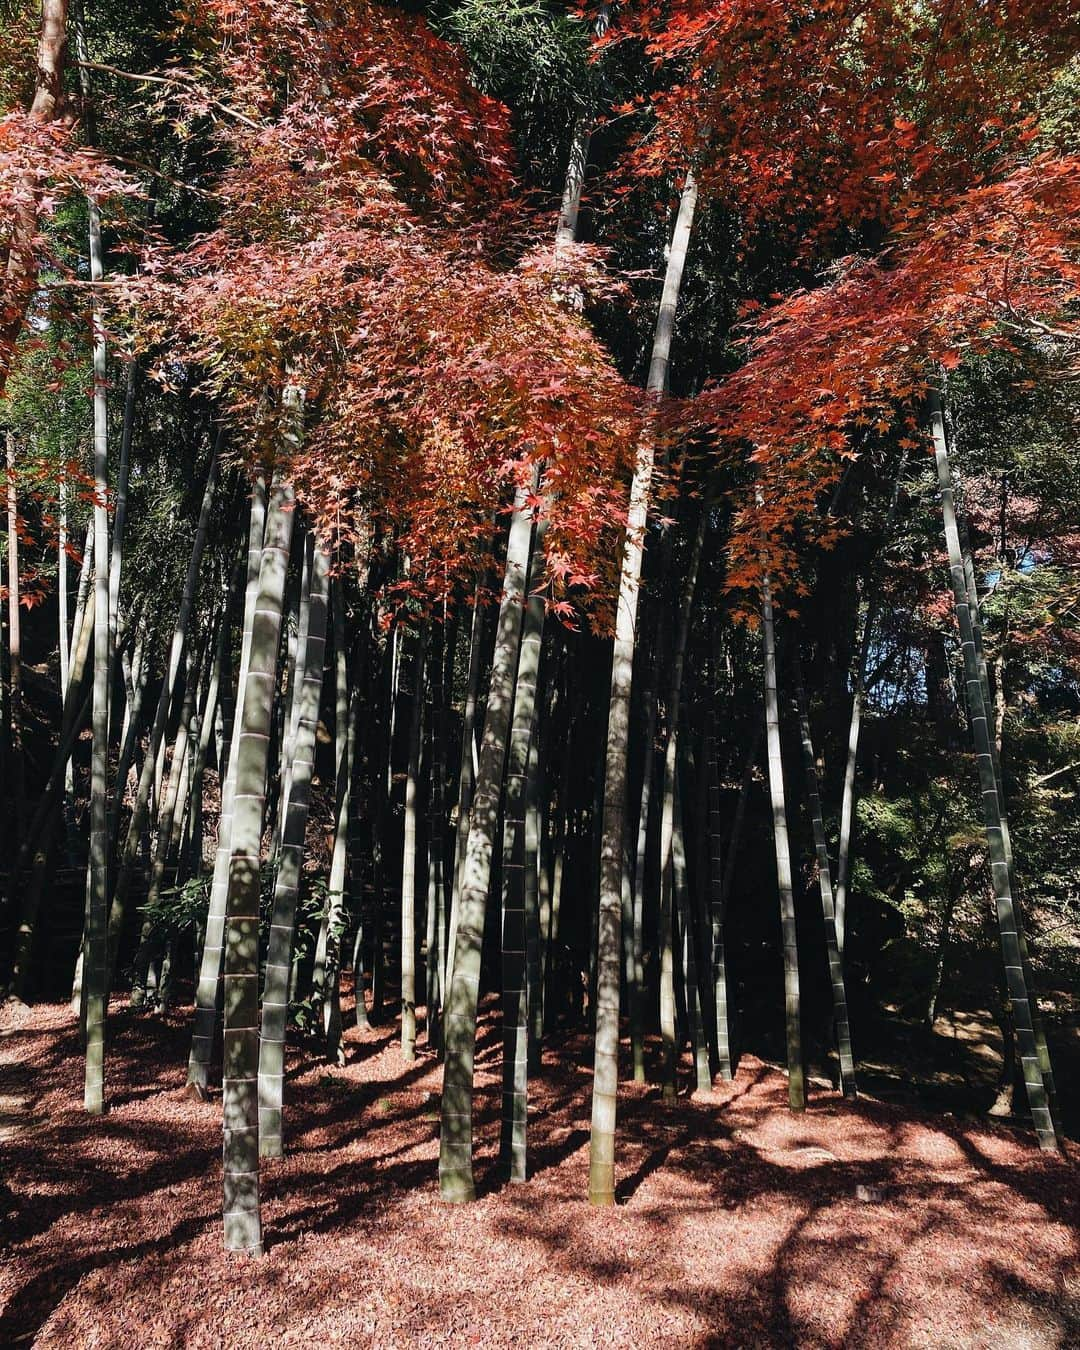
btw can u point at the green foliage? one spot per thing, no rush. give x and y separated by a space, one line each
179 910
1059 115
533 57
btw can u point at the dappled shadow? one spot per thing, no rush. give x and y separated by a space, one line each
854 1224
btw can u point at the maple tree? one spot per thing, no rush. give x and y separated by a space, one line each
833 367
387 407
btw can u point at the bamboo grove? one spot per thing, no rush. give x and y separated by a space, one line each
564 516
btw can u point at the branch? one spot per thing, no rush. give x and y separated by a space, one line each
1046 777
171 82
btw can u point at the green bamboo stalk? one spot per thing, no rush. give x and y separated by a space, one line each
716 909
96 975
409 867
821 849
208 985
279 954
455 1140
1019 993
240 1136
792 1002
515 925
347 707
613 826
177 646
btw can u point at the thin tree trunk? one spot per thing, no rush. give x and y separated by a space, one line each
606 1057
240 1140
667 819
149 775
821 849
558 866
50 105
716 910
637 943
64 639
96 947
409 867
136 674
699 1044
847 800
792 1005
942 948
346 713
1042 1049
82 590
279 954
361 694
456 1141
15 698
435 925
302 614
465 776
116 560
1020 994
515 919
206 722
170 820
208 985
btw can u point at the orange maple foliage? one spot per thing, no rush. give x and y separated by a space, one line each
820 118
834 367
369 248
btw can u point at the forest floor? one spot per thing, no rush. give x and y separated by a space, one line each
738 1224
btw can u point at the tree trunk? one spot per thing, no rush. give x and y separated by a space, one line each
95 943
206 722
716 909
1020 995
667 820
821 848
515 919
50 105
240 1140
15 699
298 650
136 674
347 697
637 941
465 776
455 1141
606 1058
279 954
942 949
178 643
792 1008
699 1043
409 868
116 558
435 922
208 985
170 821
1041 1047
847 800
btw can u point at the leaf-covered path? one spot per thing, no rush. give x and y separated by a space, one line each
739 1224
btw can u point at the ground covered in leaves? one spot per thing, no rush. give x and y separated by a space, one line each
739 1224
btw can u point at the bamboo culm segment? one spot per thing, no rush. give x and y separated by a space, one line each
1020 996
455 1137
613 825
279 953
240 1135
